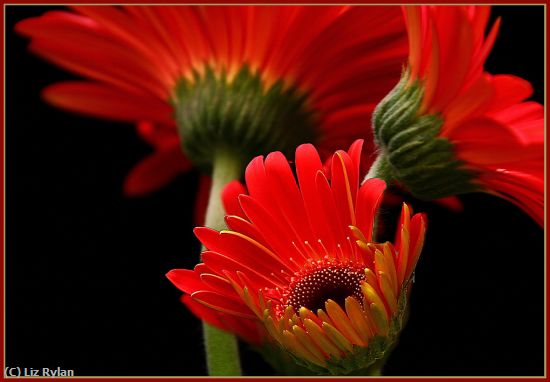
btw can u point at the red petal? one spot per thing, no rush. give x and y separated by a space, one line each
413 21
219 263
354 57
158 135
527 119
482 53
484 141
468 104
509 90
354 153
479 16
344 185
417 233
329 213
256 181
122 26
519 113
241 250
276 234
155 171
308 164
223 303
305 26
344 124
86 48
185 280
454 36
404 221
238 224
524 190
204 313
452 203
368 202
101 66
216 284
289 204
108 102
207 236
245 250
230 198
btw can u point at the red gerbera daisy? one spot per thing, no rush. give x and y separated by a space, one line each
313 73
449 127
299 267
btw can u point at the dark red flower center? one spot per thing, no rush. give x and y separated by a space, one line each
313 289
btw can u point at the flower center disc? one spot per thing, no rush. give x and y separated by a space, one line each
329 283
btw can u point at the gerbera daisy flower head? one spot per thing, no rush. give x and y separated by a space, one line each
245 79
449 127
299 261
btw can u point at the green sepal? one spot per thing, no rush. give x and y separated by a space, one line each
412 152
360 361
283 361
241 115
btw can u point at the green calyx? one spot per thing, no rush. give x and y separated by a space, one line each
411 150
239 115
367 361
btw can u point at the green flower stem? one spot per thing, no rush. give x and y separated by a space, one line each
226 167
222 351
380 168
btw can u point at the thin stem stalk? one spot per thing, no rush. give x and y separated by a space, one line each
380 168
222 351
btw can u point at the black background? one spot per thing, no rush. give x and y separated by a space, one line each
85 266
